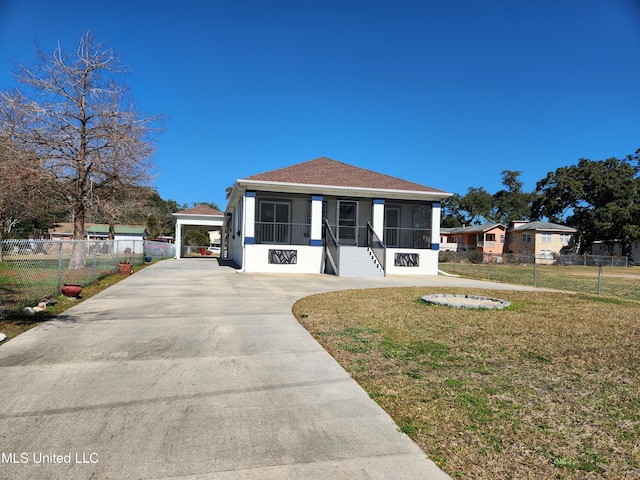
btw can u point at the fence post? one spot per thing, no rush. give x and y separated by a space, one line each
535 272
489 267
59 267
455 257
95 260
599 275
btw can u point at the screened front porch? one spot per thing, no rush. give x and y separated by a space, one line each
287 221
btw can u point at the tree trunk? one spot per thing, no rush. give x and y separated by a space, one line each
78 260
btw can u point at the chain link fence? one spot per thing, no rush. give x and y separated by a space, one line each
605 275
33 270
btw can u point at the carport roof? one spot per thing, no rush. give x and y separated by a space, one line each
201 210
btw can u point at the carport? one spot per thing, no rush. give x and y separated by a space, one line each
200 217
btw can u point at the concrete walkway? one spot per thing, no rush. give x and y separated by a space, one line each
190 370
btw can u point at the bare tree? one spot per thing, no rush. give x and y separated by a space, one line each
125 165
24 182
82 125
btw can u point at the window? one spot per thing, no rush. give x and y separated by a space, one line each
526 238
491 237
546 237
502 239
564 237
546 254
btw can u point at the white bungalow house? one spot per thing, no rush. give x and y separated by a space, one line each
325 216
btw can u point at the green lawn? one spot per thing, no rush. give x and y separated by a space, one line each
623 282
548 388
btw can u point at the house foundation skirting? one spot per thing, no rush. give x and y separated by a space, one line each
407 261
283 258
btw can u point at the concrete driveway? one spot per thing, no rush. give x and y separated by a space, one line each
190 370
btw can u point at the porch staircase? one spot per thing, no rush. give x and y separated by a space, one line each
359 262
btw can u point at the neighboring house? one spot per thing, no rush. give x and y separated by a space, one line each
325 216
487 239
601 247
447 241
543 239
61 231
125 236
200 217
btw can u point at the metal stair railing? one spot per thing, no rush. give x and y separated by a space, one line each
377 246
332 247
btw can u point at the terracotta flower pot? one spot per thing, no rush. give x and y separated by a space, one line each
125 268
71 289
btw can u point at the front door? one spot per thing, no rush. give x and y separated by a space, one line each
348 222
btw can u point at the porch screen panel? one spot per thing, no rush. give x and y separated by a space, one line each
274 222
392 226
421 235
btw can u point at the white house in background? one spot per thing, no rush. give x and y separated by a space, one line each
325 216
200 217
125 236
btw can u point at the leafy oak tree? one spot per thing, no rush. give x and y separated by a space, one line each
512 203
601 198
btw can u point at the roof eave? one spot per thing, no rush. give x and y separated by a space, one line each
285 187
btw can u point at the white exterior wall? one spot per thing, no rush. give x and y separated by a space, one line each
428 262
309 259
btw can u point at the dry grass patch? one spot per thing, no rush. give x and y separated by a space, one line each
548 388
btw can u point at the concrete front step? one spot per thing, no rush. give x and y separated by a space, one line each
358 262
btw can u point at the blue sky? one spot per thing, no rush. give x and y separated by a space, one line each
443 93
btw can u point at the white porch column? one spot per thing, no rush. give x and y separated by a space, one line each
223 237
249 230
378 217
435 226
316 221
178 240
